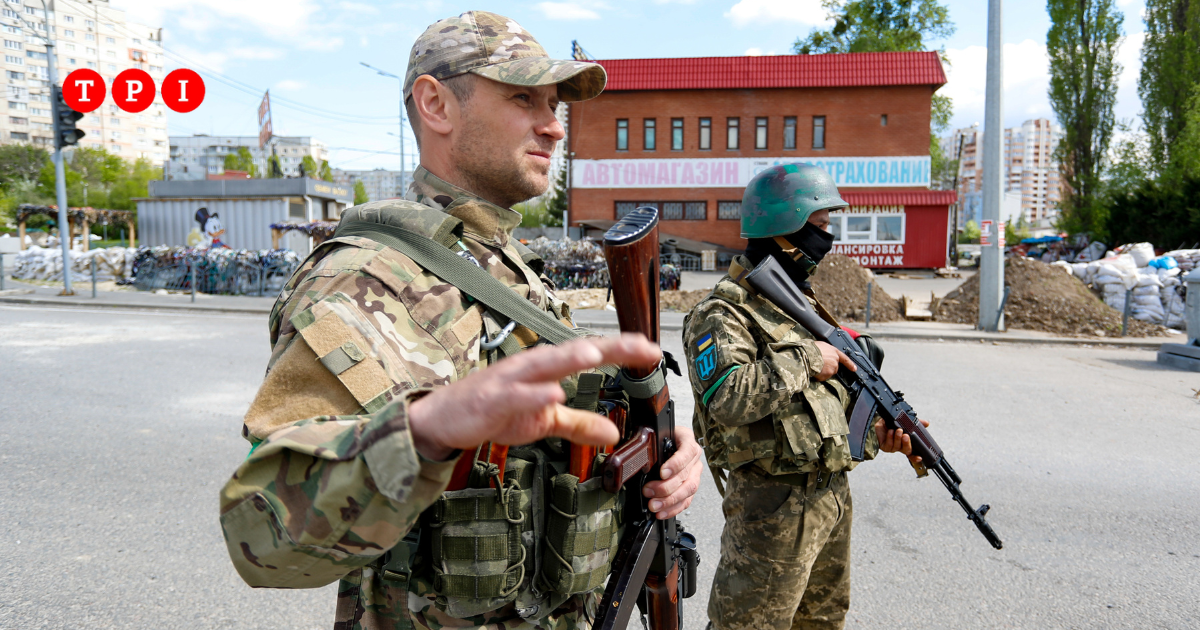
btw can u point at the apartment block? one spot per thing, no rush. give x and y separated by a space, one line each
379 183
201 155
1030 171
89 34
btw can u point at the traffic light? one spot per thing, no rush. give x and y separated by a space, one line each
65 133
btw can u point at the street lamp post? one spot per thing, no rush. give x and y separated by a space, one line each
403 182
60 178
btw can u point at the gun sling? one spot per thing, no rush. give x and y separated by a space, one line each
472 280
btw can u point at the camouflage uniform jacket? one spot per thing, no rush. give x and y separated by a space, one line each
752 370
333 480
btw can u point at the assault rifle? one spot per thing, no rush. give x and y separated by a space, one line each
874 396
655 565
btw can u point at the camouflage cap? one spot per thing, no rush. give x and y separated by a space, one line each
496 47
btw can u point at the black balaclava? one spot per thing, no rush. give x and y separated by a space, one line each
798 253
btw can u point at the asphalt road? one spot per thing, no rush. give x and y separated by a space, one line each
118 429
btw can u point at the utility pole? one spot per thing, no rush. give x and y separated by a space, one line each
403 182
991 268
60 178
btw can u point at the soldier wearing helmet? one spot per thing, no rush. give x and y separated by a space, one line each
771 416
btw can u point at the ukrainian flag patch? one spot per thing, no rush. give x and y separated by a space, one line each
706 357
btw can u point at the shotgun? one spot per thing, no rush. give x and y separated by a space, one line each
655 565
875 396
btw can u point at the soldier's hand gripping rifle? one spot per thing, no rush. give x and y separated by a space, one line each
655 565
875 396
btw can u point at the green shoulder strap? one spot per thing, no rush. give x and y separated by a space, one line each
469 279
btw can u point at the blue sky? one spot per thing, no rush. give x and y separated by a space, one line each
308 52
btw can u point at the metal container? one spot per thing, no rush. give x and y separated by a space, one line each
247 221
1191 313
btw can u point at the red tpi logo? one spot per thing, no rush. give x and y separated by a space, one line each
183 90
133 90
84 90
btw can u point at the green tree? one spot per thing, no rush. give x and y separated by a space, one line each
326 172
556 201
1170 71
21 162
970 233
878 26
1187 149
1082 45
309 168
360 193
242 160
1016 231
274 167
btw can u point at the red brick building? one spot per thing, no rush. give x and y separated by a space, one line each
686 135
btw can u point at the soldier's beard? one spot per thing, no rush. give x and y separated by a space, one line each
492 170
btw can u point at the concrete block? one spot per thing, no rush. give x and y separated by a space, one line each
1180 356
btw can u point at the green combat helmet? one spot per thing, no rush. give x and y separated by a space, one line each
779 200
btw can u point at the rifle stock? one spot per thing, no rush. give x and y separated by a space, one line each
648 562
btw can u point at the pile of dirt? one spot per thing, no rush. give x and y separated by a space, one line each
594 299
1043 298
840 283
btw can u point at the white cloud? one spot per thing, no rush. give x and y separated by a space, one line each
1026 79
1026 82
289 85
753 52
566 11
358 7
280 19
808 12
322 44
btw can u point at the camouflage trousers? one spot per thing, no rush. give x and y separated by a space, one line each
785 555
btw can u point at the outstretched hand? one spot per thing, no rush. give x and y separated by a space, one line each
519 400
896 440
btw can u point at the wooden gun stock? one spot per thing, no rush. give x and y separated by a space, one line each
493 454
637 455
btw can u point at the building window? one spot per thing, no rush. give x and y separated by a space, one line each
112 54
789 132
109 40
13 120
729 210
880 227
17 135
622 134
731 136
672 211
676 134
31 10
9 13
14 60
695 211
18 106
818 132
70 19
71 61
16 76
12 30
89 37
705 134
89 23
648 134
883 120
11 45
760 132
70 46
33 54
69 33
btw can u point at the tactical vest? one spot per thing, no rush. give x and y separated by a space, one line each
538 538
809 433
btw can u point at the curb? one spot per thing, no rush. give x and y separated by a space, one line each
132 307
1146 344
1152 343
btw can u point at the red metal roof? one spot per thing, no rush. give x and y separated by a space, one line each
901 198
775 71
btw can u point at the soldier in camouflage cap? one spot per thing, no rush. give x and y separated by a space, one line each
497 48
379 377
770 414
